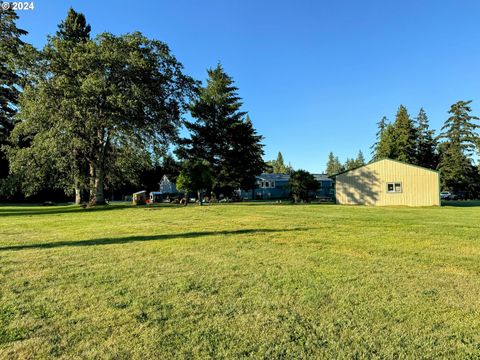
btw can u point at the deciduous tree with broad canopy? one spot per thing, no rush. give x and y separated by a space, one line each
196 176
95 111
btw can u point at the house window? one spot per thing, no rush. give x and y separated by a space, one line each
394 187
267 184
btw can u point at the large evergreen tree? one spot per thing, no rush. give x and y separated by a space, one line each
459 135
404 137
426 143
11 47
222 135
398 140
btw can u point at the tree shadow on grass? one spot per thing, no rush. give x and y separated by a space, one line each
29 210
142 238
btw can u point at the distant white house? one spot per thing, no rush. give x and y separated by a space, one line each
166 186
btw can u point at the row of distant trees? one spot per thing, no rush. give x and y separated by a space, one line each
90 115
334 166
411 140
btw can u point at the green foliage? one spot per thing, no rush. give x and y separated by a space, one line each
301 183
426 143
360 160
459 135
378 148
11 47
97 110
404 137
386 146
74 28
222 136
278 166
244 158
355 163
196 176
406 141
334 166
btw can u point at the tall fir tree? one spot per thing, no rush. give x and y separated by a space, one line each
334 166
11 47
360 160
384 146
426 143
381 125
350 164
460 137
404 137
222 135
278 166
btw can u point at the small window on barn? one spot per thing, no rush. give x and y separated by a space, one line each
394 187
267 184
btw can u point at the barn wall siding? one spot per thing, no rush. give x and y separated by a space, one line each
368 185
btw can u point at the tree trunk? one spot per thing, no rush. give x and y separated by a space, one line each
78 195
91 184
99 186
199 194
97 169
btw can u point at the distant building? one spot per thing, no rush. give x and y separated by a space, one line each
388 182
166 186
275 186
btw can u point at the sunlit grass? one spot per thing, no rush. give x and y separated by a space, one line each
230 281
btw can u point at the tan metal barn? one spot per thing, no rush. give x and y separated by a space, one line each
388 182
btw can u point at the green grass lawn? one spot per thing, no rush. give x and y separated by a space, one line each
233 281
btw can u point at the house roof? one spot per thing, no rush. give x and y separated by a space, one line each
322 177
286 177
140 192
274 177
385 159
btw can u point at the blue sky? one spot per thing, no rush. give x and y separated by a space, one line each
315 76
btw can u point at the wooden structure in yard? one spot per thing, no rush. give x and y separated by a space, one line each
388 182
139 198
